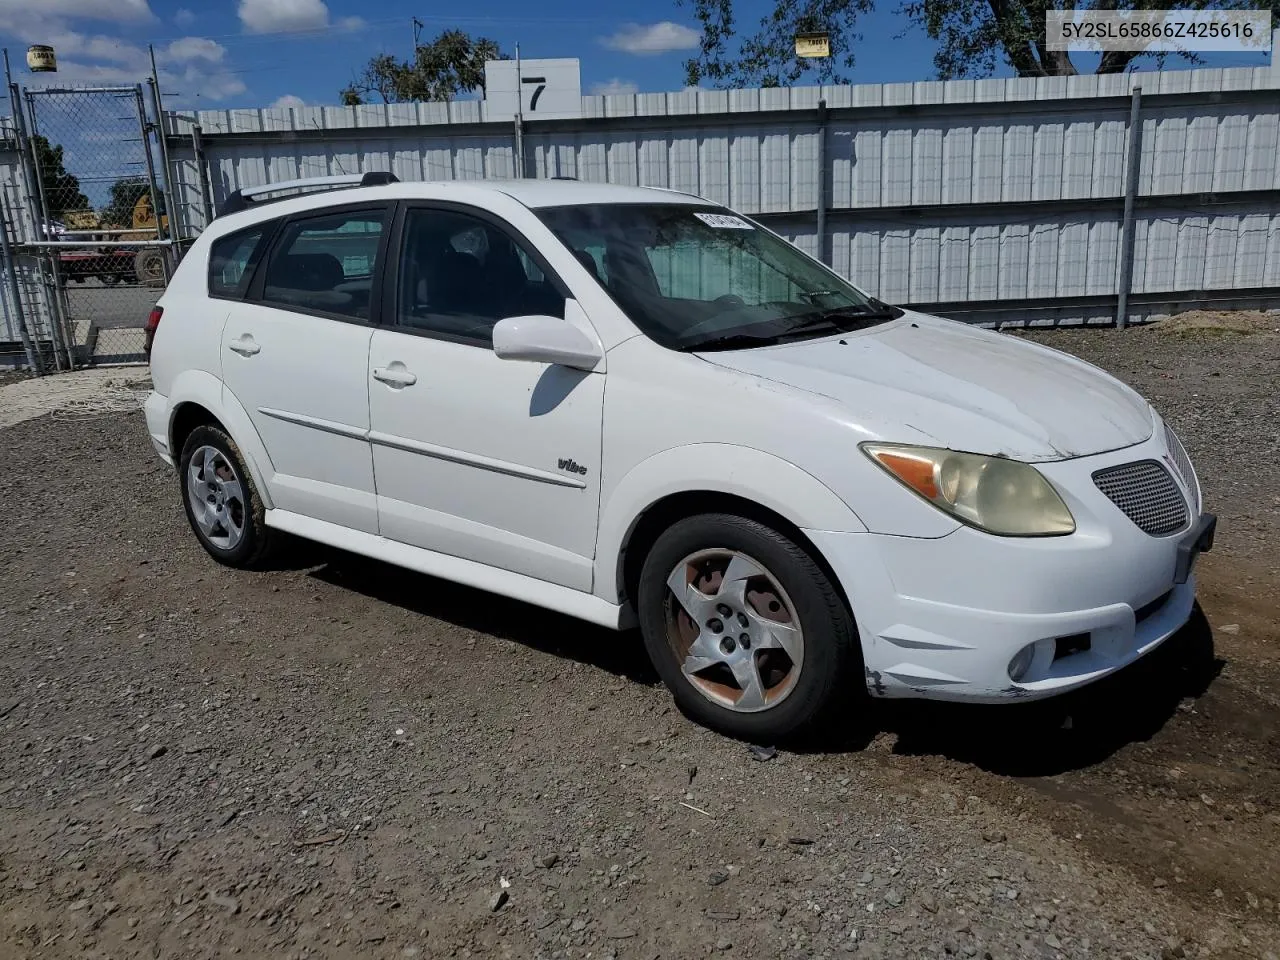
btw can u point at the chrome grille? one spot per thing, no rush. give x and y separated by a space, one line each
1147 494
1182 463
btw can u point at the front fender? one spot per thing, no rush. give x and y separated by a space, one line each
200 387
739 471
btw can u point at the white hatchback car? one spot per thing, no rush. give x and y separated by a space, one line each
632 405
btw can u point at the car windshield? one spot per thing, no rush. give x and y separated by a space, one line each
704 278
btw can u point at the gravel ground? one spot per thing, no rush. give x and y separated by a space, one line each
339 759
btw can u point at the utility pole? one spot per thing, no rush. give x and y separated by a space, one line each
417 35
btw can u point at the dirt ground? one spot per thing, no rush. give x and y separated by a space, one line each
335 758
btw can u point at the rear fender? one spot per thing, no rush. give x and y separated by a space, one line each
200 387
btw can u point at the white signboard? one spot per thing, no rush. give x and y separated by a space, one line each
547 89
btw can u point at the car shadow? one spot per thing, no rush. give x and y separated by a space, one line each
1054 736
1030 739
471 609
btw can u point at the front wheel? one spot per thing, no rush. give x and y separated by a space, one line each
746 629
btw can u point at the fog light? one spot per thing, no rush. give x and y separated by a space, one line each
1021 662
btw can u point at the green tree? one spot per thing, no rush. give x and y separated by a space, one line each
124 196
974 37
451 64
61 189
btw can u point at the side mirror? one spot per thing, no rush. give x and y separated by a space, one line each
544 339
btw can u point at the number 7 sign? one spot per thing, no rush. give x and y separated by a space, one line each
543 90
540 84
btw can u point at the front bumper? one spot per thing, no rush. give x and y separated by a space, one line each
943 618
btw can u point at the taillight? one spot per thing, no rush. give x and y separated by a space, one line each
153 323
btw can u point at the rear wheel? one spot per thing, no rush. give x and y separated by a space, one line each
222 504
746 629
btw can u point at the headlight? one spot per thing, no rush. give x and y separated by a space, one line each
1004 497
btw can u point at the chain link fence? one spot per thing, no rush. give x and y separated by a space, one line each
97 244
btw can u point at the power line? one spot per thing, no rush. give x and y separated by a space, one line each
366 25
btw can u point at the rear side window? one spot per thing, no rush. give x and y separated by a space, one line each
230 259
326 264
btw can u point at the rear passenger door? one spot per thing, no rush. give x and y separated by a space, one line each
295 355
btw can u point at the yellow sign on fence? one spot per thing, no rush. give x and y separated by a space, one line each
813 45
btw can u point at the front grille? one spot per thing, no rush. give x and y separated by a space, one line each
1182 463
1147 494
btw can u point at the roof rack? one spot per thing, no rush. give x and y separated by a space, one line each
244 198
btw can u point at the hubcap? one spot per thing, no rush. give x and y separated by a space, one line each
216 497
734 629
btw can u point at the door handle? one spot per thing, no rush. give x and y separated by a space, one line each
395 375
245 345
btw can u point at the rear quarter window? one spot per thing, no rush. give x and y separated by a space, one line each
231 259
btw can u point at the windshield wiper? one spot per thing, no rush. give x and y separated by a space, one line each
842 318
731 341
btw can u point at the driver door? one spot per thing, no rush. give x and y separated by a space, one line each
491 460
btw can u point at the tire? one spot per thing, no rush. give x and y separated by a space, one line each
230 522
148 265
782 589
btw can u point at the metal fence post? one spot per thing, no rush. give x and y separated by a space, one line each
63 338
1125 280
519 145
146 152
11 270
821 226
167 180
202 172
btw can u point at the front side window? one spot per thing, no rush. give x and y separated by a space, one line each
701 277
460 275
229 260
326 264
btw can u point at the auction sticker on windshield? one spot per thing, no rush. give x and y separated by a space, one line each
722 221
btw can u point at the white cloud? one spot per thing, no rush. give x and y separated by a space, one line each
192 48
280 16
614 87
117 11
191 66
71 45
288 101
350 23
34 21
184 17
646 40
198 85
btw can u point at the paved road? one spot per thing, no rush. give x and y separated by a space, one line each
111 307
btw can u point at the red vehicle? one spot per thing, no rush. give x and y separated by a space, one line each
109 266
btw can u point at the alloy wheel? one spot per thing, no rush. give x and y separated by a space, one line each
216 496
734 630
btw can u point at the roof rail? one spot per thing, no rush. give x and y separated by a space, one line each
244 198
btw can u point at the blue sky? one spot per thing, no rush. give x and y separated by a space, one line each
227 53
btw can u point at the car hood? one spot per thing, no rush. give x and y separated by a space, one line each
940 383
